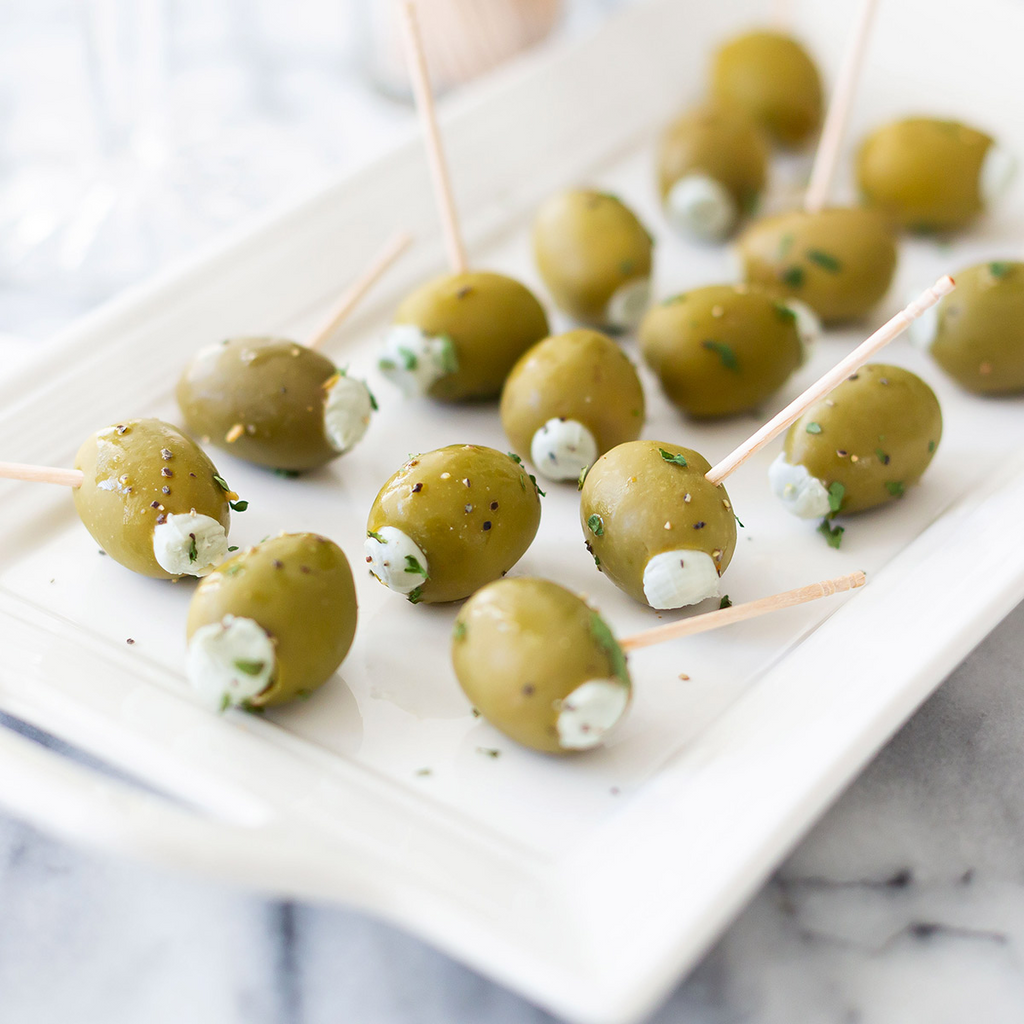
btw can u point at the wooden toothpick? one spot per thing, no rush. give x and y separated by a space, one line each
41 474
821 387
740 612
827 156
355 292
435 154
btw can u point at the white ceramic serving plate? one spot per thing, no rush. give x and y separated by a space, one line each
588 884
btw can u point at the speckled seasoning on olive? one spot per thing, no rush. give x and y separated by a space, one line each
569 399
457 337
273 623
839 261
540 665
595 258
432 545
667 534
724 349
124 501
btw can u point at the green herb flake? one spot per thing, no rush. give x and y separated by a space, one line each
596 525
488 751
793 277
234 547
725 353
386 365
250 668
288 474
626 267
895 488
238 506
786 244
409 359
415 596
459 630
883 457
222 482
784 312
253 709
225 702
233 570
931 446
677 460
376 536
515 458
581 479
832 534
597 561
193 551
737 518
476 712
606 639
825 260
412 565
675 299
373 401
449 355
813 428
836 493
725 602
424 771
1000 269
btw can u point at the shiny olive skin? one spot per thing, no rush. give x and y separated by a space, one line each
634 491
588 245
135 474
840 261
722 349
979 339
473 512
772 79
875 434
581 375
490 318
299 588
720 142
924 173
274 388
521 646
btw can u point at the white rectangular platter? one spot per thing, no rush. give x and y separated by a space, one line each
587 884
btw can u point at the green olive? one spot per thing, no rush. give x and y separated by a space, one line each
595 258
569 399
979 329
273 623
925 173
839 261
869 440
712 165
144 483
456 337
722 349
273 402
772 79
655 525
450 521
540 665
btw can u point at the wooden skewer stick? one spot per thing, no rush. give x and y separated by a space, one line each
355 292
435 154
827 156
740 612
41 474
821 387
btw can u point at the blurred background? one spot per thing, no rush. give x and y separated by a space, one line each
134 131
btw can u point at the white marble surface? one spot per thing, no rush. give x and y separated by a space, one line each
905 904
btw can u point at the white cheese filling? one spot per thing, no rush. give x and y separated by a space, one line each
808 325
415 360
396 560
347 410
802 494
674 579
590 712
562 449
924 329
230 661
627 306
189 544
701 207
997 171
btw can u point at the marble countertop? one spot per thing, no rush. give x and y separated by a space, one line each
904 904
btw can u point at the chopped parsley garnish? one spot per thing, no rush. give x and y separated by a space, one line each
288 474
518 461
836 493
231 570
999 269
415 596
250 668
412 565
813 428
793 277
725 602
626 267
784 313
409 360
931 446
596 525
449 357
825 260
386 364
234 547
832 534
725 353
459 632
223 483
604 636
883 457
225 701
193 551
895 488
582 478
253 709
238 506
373 401
376 536
677 460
